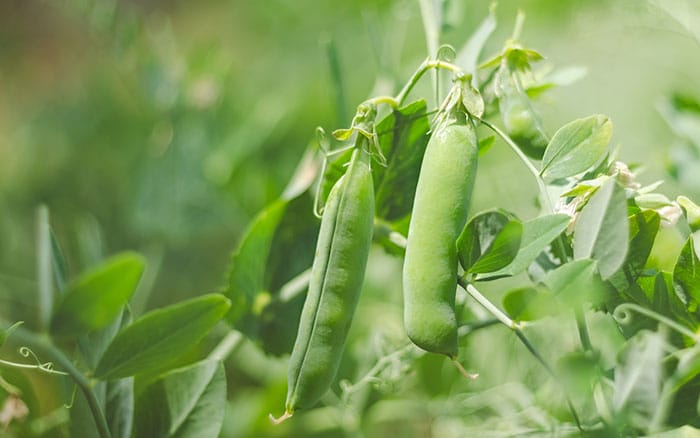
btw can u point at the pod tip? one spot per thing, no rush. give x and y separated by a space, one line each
281 418
462 371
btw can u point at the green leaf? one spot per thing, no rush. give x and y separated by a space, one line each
529 303
187 402
119 406
536 236
577 283
5 333
489 241
602 230
275 327
403 137
97 297
468 55
638 378
643 227
153 341
691 211
686 273
576 146
248 264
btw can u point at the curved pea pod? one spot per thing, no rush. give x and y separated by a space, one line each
440 210
337 274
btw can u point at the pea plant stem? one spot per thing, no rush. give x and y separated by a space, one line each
517 328
43 344
424 67
226 346
581 323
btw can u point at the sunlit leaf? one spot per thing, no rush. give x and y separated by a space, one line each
187 402
489 241
576 146
536 236
602 231
686 273
97 297
153 341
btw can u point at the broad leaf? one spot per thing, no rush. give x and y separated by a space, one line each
119 406
97 297
468 55
489 241
576 146
537 234
644 227
686 273
602 231
577 283
529 303
153 341
187 402
403 136
248 263
638 379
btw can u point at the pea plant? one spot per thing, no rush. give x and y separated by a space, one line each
398 183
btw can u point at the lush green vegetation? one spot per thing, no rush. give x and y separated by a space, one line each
162 177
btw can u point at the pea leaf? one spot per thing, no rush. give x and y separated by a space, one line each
602 231
536 236
247 272
403 136
153 341
97 297
577 283
686 273
5 333
529 303
643 227
119 406
489 241
638 378
187 402
468 55
576 146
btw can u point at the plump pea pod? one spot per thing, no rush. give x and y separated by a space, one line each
336 279
439 213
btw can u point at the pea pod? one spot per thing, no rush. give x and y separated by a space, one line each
337 274
439 213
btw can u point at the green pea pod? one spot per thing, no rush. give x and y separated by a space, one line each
440 210
336 279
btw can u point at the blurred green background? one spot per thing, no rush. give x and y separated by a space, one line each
164 126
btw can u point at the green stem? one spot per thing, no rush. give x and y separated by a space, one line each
581 323
43 266
424 67
44 345
517 328
226 346
582 326
9 388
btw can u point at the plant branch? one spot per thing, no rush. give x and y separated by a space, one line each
44 345
226 346
424 67
517 328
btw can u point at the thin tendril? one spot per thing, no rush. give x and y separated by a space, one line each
72 398
622 316
46 367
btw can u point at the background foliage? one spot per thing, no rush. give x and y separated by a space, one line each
163 128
